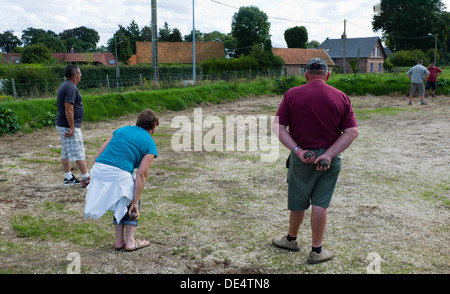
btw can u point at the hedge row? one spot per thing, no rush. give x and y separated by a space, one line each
39 113
38 80
374 84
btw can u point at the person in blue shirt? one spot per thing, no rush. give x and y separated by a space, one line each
112 185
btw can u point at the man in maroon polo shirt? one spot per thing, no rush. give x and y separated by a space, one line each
320 119
432 79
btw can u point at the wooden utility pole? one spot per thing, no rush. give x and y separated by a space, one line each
155 44
193 43
344 36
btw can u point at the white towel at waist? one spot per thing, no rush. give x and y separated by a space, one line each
110 188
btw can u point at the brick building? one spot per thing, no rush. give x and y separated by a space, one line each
179 52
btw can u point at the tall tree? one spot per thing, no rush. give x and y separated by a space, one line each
30 35
166 34
134 35
229 42
120 39
406 24
50 39
88 37
249 26
198 36
146 34
296 37
8 41
175 36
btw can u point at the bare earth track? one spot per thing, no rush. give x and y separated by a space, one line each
216 212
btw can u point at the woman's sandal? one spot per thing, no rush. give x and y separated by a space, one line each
139 244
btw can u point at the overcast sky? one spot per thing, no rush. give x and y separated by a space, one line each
322 18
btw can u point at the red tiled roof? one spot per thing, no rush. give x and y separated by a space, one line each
103 58
299 56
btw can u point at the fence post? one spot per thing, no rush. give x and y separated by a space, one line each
107 83
14 89
140 81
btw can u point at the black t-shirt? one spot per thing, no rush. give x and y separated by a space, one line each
68 93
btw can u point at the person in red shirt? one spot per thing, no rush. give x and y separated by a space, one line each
320 119
432 79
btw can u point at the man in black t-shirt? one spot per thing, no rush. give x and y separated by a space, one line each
68 123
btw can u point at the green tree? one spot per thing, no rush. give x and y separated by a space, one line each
164 33
124 51
198 37
8 41
134 35
88 38
167 34
229 42
30 35
146 34
36 53
312 44
249 26
406 24
175 36
265 57
354 64
50 39
296 37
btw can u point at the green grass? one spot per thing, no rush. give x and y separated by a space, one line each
40 161
44 227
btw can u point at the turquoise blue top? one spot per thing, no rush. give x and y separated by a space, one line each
127 148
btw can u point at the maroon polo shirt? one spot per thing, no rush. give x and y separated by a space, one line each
316 114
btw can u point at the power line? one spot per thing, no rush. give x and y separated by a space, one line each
278 18
412 38
359 26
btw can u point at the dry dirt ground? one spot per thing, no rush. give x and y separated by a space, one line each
216 212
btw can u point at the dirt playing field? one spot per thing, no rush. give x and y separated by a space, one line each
217 211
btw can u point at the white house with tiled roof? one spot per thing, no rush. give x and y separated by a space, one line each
295 59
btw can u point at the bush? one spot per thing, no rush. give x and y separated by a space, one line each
375 84
36 53
409 58
281 85
8 121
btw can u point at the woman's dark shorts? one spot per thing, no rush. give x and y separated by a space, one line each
126 218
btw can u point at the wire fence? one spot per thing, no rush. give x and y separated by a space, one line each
21 89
